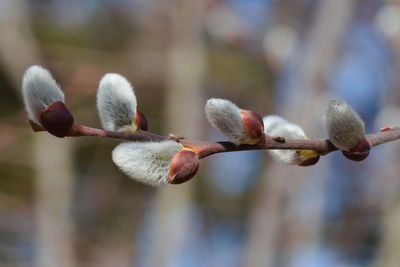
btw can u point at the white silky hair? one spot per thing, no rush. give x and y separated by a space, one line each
277 126
116 103
225 116
39 89
146 162
344 126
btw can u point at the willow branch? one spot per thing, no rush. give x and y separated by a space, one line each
205 148
142 136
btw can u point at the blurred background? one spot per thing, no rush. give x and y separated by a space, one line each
64 203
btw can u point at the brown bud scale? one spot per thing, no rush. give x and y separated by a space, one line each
57 119
253 123
362 147
355 156
183 167
141 121
359 152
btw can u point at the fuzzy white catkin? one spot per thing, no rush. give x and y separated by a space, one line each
345 128
116 103
225 116
146 162
39 89
277 126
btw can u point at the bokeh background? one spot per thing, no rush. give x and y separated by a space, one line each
64 203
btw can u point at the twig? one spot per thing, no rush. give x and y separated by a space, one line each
81 130
205 148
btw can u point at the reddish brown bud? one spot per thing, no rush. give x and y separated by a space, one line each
253 124
355 156
359 152
362 146
141 121
387 128
279 139
309 162
183 167
57 119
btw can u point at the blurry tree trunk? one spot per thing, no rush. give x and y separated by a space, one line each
53 164
388 175
388 254
17 46
278 211
51 156
186 65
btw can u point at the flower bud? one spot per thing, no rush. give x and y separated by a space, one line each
116 103
346 130
183 167
276 126
254 126
359 152
141 121
239 126
57 119
146 162
39 89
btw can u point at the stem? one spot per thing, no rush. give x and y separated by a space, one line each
81 130
205 148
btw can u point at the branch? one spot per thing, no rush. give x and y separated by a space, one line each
205 148
177 161
81 130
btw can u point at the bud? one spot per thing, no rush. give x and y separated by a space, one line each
359 152
387 128
39 89
117 105
277 126
183 167
254 125
146 162
57 119
346 130
141 121
238 125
